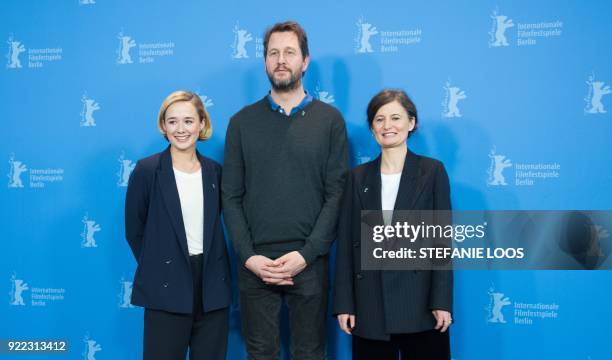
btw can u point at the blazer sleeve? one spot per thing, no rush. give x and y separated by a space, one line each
441 291
136 208
344 302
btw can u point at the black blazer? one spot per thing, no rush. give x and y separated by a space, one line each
390 302
156 234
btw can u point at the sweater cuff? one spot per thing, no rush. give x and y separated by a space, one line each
245 254
308 254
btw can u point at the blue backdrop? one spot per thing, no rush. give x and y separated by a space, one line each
512 97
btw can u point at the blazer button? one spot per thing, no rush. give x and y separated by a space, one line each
223 278
165 285
359 276
168 261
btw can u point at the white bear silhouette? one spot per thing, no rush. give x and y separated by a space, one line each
92 348
599 90
17 169
367 31
242 38
455 94
89 106
502 24
126 294
126 169
90 229
20 287
127 43
16 49
499 301
325 96
499 163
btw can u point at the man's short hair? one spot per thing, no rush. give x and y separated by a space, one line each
288 26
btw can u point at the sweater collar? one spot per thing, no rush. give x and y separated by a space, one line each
277 108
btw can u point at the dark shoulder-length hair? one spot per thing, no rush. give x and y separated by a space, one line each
390 95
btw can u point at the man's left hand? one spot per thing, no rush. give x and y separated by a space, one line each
291 263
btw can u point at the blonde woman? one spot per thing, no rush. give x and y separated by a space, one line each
173 226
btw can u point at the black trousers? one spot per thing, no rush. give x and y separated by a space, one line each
426 345
260 307
167 336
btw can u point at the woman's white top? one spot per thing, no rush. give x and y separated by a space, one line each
388 193
192 207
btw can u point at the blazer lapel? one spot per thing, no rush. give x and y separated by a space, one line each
408 189
370 189
369 195
171 198
211 203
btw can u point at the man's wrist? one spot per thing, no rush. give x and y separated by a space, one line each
246 256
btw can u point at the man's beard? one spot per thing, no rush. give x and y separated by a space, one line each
285 85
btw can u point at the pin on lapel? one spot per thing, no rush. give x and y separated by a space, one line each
303 112
213 186
365 190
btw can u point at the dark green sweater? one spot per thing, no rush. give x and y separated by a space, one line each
283 178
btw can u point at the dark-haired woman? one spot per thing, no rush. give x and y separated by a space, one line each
392 313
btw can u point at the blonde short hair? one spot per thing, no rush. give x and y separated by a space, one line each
195 100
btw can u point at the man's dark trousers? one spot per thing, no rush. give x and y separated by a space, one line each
260 307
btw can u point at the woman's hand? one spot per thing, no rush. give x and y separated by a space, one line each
346 322
443 319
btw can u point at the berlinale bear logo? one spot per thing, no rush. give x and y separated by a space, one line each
365 31
241 38
501 23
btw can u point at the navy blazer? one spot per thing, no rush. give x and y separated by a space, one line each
156 234
390 302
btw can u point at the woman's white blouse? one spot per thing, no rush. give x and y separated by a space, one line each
390 186
192 207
